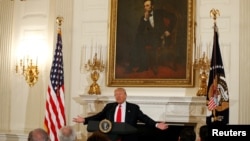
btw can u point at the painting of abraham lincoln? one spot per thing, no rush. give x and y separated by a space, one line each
153 41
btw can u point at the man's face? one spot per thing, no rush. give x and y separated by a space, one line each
147 6
120 96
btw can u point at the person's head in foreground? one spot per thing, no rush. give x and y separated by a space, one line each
98 136
187 134
67 133
38 134
203 133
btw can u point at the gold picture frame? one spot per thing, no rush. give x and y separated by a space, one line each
171 66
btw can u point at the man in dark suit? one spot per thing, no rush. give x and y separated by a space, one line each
130 114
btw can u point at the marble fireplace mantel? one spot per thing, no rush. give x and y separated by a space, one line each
170 109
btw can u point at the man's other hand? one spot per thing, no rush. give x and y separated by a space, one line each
162 125
79 119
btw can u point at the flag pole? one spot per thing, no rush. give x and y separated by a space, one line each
217 93
214 13
55 117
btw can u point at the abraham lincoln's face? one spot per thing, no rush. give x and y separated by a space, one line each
148 7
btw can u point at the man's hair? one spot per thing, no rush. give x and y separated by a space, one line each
203 133
152 1
121 89
187 134
67 137
38 134
98 136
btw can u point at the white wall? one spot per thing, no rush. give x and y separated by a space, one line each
30 24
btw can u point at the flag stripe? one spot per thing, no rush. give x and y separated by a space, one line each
51 118
55 112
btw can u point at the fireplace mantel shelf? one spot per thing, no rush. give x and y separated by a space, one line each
83 99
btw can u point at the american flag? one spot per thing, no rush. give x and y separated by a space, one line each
211 104
55 113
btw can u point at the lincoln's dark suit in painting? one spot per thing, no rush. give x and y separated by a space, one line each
152 36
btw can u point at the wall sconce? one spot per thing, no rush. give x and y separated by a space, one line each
28 69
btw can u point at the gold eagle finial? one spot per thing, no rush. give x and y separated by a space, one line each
214 13
59 20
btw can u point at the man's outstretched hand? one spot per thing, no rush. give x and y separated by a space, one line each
162 126
79 119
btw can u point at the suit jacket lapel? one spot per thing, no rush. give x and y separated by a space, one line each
127 112
112 110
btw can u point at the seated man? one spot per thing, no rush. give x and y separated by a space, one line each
67 133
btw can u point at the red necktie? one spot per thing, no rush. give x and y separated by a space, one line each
119 114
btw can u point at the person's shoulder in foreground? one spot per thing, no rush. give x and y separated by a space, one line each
38 134
67 133
98 136
187 134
